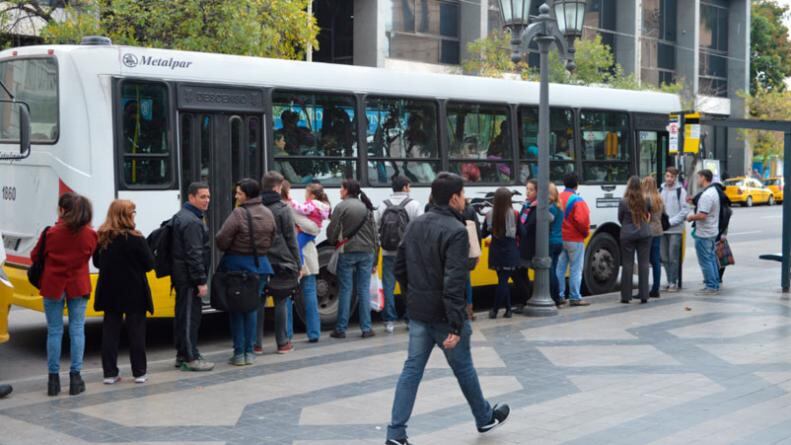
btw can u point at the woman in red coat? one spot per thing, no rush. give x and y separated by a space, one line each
66 282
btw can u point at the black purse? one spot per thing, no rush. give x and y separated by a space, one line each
237 291
36 269
665 221
283 284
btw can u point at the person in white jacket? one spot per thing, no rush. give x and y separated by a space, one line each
675 198
413 209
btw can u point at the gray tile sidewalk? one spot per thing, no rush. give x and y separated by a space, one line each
682 369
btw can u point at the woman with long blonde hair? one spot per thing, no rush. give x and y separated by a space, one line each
657 208
122 293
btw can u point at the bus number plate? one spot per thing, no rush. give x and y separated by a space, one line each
607 203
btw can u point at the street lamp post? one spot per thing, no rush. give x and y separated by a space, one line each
561 31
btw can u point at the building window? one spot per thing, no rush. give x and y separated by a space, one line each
336 37
426 31
658 40
600 19
713 48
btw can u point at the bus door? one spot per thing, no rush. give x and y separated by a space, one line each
219 146
652 145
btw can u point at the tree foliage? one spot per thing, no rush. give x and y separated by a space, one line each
267 28
766 104
595 65
770 49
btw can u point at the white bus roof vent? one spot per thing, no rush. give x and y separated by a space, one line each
96 40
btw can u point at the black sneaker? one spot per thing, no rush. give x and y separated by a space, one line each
499 416
338 334
398 442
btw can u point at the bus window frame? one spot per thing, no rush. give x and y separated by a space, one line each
57 94
118 152
512 163
576 137
269 132
629 147
440 159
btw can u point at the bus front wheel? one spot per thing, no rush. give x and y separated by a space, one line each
602 263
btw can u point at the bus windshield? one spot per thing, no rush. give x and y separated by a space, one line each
35 82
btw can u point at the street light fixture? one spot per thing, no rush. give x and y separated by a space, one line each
546 30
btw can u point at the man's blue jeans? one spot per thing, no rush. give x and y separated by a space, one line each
572 256
53 310
311 304
422 339
389 283
243 331
707 259
354 270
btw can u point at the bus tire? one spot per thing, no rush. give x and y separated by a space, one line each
326 293
602 264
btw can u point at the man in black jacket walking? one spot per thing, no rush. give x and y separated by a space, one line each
431 265
191 262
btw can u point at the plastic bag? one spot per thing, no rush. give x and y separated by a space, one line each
376 293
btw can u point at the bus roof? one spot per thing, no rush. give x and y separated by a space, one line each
264 72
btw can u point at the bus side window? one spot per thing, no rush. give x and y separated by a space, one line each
605 151
402 139
479 144
561 143
315 137
145 143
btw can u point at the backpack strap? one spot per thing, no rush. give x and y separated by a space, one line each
404 202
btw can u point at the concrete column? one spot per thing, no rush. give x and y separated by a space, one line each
688 43
473 23
628 21
739 152
371 19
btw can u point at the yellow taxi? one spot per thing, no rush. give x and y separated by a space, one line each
776 186
748 191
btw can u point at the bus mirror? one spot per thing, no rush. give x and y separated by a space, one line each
24 129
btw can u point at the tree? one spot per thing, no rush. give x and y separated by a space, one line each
266 28
594 59
770 49
766 104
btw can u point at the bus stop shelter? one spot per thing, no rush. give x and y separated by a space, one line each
783 127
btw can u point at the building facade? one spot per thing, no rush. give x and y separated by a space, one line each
703 44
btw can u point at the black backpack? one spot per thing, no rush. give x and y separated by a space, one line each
725 212
393 224
160 241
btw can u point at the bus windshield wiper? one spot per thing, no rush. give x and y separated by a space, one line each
2 84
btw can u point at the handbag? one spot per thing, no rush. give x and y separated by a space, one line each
665 221
332 264
36 269
283 284
237 290
376 293
724 253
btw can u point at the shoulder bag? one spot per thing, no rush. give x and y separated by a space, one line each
332 265
237 290
36 269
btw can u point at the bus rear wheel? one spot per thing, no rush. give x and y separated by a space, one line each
327 294
602 264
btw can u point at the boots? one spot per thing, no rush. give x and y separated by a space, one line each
76 385
470 313
53 385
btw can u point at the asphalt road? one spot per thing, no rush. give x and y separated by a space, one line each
753 231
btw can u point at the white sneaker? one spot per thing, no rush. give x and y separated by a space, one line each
142 379
390 327
112 380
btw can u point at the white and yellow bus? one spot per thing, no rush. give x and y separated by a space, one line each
110 121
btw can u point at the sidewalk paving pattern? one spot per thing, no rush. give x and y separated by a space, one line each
680 370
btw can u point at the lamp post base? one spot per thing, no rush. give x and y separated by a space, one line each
541 304
541 308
